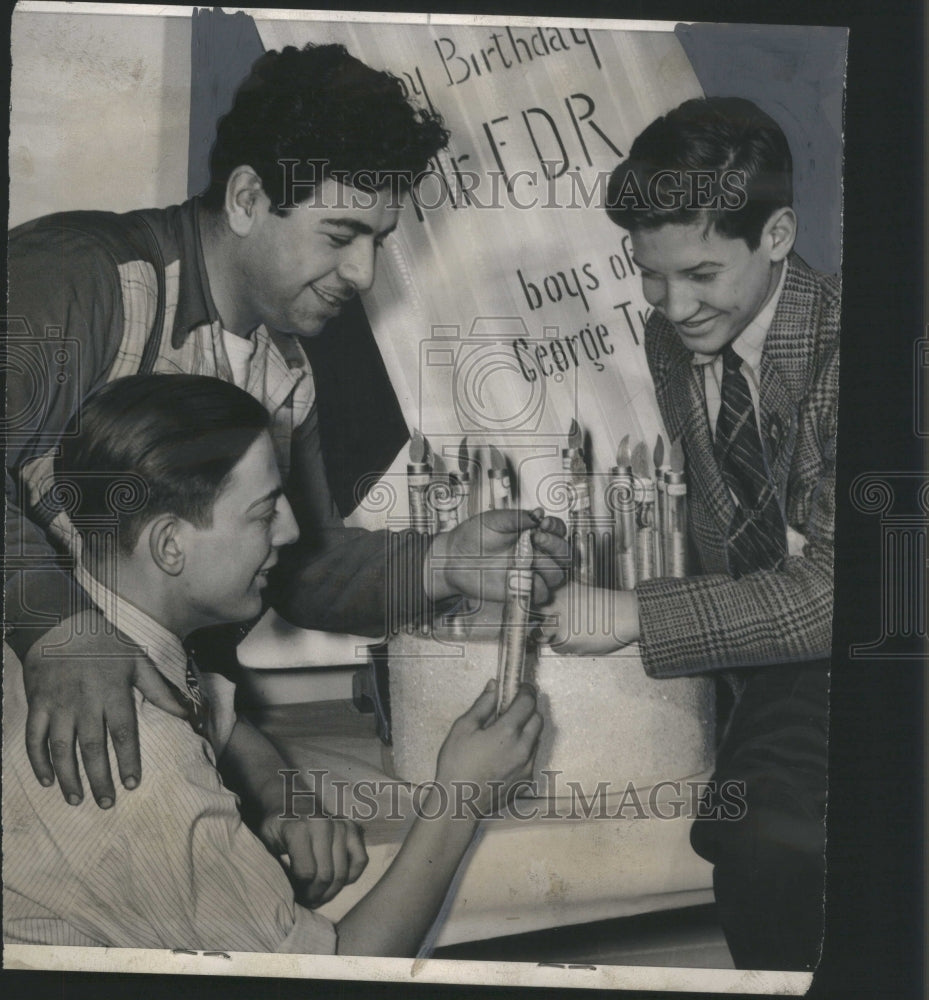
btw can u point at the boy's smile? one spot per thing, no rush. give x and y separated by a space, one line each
710 287
227 562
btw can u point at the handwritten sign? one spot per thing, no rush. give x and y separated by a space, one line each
507 304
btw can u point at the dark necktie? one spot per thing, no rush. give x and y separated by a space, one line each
757 537
195 700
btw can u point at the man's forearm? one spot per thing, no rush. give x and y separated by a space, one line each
707 623
355 581
251 765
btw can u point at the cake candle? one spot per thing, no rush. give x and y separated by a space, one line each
514 634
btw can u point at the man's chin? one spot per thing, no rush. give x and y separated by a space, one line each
310 330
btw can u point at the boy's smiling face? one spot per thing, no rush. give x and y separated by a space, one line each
226 562
709 286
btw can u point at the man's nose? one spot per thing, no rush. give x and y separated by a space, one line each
679 302
357 264
285 524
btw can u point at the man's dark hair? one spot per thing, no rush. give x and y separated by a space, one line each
721 160
323 105
153 444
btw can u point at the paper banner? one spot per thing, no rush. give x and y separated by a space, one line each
507 303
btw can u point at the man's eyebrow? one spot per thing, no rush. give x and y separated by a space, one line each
358 227
271 495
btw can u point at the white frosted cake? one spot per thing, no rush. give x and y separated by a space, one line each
605 719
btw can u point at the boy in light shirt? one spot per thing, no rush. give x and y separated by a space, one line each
183 467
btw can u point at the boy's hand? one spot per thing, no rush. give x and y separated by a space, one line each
79 678
472 558
588 621
480 749
325 853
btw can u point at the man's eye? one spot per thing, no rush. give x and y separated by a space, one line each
704 276
269 517
339 241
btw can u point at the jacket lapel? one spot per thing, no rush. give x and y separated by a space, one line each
786 368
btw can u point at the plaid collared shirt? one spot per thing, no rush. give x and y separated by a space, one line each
279 377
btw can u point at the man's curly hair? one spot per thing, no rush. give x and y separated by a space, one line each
323 105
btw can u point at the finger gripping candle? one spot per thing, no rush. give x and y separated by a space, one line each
499 476
418 478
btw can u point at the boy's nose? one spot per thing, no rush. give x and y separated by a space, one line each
285 524
357 264
679 303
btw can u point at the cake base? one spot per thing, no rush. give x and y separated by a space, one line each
605 719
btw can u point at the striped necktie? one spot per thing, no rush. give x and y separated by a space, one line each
757 537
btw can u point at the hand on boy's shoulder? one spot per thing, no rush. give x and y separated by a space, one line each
79 679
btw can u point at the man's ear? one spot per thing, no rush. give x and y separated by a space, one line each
779 234
164 544
243 199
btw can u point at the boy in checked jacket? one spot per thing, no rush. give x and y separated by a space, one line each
742 345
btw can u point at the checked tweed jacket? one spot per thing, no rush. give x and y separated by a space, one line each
712 622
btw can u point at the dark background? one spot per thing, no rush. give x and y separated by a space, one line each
875 889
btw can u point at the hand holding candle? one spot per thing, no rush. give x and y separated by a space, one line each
471 560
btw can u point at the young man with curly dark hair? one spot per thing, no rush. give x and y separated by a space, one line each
307 174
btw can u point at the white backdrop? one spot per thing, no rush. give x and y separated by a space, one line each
500 321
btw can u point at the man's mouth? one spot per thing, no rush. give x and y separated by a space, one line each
262 574
333 300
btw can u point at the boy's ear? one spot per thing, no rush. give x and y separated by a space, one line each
779 233
243 194
164 544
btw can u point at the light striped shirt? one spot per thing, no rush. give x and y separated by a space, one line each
171 864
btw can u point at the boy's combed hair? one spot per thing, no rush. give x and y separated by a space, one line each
177 438
721 160
323 105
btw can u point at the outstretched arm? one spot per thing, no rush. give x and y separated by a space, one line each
477 750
